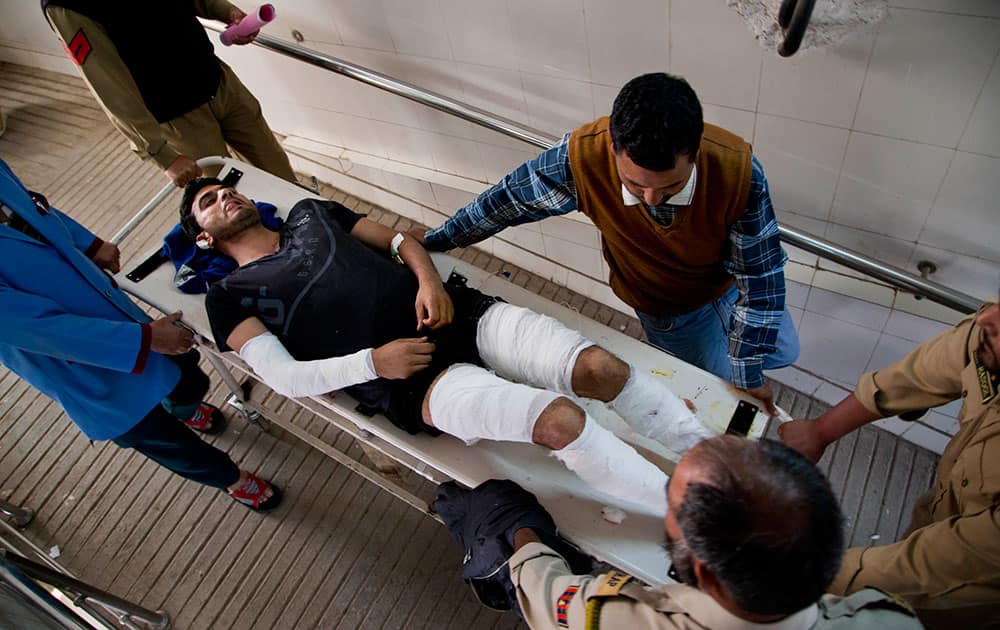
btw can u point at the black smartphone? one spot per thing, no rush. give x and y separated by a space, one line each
147 266
742 419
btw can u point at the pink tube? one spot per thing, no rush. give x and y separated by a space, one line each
248 25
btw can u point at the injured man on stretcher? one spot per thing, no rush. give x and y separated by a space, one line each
320 305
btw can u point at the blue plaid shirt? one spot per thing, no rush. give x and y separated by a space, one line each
543 187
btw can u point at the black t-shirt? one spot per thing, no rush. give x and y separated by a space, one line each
323 293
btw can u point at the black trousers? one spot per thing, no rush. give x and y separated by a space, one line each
163 437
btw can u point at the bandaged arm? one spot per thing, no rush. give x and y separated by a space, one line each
289 377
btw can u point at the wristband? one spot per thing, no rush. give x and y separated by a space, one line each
394 247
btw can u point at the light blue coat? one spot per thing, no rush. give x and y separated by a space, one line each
66 329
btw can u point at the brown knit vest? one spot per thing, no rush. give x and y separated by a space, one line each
655 269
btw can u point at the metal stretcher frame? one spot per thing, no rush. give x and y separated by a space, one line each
633 546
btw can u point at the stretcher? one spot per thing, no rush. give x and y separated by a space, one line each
633 546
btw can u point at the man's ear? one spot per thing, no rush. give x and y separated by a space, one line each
707 582
203 241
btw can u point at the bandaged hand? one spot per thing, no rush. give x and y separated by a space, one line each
403 357
434 307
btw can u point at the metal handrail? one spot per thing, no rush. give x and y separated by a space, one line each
894 276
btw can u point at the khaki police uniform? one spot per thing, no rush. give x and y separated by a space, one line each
552 597
950 557
232 117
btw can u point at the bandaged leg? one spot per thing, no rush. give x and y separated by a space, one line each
473 404
608 464
652 410
527 347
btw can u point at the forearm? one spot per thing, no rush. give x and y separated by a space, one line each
756 261
419 261
539 188
290 377
754 325
846 416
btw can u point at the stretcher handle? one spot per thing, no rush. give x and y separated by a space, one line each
141 215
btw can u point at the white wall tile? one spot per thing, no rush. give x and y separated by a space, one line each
908 303
893 425
924 91
314 20
819 85
417 27
604 98
888 350
796 314
557 106
831 394
550 38
480 33
524 236
974 276
988 8
362 23
926 437
796 379
859 288
912 327
887 185
966 215
847 309
796 293
727 71
450 200
404 144
982 135
739 121
456 156
409 188
890 250
834 348
573 256
498 161
943 423
802 162
616 57
584 234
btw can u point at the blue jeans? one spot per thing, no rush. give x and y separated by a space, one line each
701 337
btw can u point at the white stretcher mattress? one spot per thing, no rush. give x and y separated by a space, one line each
633 546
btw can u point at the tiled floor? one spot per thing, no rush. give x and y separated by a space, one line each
341 552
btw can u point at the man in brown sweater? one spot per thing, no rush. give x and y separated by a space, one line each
686 223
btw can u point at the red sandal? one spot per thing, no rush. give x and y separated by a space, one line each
251 494
207 419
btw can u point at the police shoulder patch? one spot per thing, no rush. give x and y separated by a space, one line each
79 47
612 584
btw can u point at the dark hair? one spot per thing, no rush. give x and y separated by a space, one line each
655 118
765 522
187 220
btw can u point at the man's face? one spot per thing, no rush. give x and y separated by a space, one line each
675 545
222 212
988 352
653 187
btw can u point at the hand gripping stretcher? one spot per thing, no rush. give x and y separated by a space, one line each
634 546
